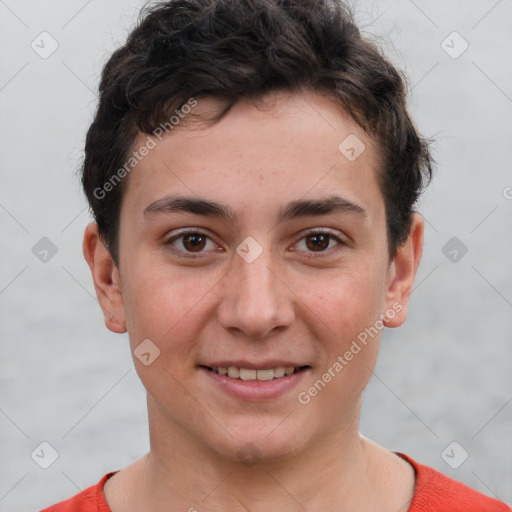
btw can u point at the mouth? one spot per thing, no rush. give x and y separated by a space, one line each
263 374
260 383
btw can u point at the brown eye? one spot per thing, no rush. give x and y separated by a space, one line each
194 242
320 241
320 244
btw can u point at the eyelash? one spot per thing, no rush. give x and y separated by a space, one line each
312 232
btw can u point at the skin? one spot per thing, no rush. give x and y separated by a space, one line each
285 304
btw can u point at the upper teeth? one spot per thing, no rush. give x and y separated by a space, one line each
251 374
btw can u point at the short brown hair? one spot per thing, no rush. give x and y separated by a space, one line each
182 49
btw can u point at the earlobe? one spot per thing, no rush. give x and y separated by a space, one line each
106 279
401 274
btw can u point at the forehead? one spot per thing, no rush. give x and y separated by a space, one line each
284 147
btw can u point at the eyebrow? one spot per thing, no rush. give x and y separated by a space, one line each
292 210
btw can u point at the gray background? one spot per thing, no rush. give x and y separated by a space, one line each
442 377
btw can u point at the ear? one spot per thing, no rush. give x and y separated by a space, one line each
401 274
106 279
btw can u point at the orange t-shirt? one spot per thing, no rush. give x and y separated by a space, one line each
434 492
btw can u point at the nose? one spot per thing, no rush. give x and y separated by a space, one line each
256 299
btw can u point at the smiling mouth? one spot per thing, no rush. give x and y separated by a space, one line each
267 374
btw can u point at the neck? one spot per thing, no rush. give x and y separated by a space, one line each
340 468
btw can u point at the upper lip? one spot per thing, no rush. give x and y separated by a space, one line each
271 363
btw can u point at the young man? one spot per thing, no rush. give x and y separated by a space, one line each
252 171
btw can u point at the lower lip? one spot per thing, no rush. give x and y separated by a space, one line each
255 390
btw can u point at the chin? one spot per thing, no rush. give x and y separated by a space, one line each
266 442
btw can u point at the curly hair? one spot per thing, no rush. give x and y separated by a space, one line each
234 49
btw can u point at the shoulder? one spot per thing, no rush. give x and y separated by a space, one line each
91 499
436 492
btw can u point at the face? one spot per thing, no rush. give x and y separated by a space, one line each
256 243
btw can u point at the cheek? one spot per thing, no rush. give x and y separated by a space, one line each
167 307
345 311
346 301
